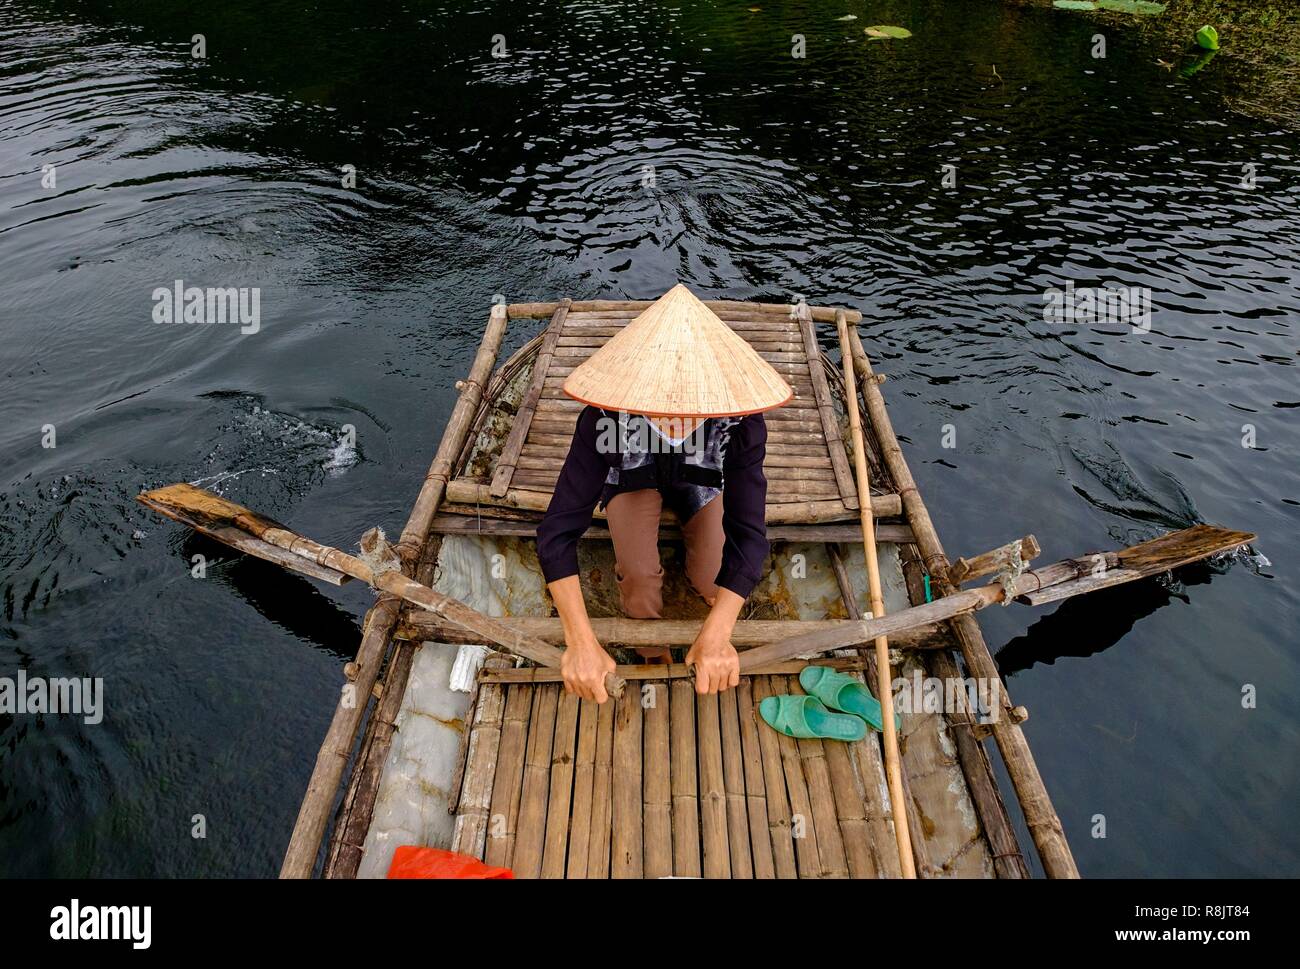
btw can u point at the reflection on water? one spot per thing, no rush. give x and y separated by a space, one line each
617 149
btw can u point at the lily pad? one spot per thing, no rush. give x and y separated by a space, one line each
1132 6
1207 38
1074 4
882 32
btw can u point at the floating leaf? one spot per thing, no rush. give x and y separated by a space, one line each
1208 38
1074 4
882 32
847 16
1132 6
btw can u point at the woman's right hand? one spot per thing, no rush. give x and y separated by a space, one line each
584 666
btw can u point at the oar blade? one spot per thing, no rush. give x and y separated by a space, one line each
224 521
1156 557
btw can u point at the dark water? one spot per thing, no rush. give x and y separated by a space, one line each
524 176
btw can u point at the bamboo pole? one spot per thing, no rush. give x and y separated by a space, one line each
523 524
195 501
430 627
336 749
649 672
893 767
802 508
1040 816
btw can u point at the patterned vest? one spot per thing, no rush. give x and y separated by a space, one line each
688 475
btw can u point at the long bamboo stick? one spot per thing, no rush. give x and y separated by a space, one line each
893 767
803 509
196 501
747 633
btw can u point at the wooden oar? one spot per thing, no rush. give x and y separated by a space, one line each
222 519
1059 580
884 693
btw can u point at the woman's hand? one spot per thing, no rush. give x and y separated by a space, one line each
717 665
584 666
716 662
585 661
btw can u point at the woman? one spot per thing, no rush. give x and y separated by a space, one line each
674 417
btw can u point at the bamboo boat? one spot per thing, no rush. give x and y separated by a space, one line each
660 781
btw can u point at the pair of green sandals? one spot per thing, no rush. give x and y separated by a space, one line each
811 717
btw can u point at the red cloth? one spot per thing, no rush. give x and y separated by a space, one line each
413 861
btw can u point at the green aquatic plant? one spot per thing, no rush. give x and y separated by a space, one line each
1147 7
1207 38
882 32
1132 6
1202 59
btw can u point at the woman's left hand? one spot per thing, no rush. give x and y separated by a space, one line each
716 662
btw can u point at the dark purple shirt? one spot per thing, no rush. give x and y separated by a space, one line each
582 484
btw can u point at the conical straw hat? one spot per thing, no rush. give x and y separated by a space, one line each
678 358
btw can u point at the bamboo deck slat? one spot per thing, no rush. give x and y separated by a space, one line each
713 797
626 857
760 839
602 789
559 800
733 783
686 805
584 779
830 843
657 784
507 784
531 832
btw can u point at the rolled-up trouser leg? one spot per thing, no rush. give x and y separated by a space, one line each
633 518
704 542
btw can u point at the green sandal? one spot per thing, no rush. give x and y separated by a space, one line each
842 692
804 716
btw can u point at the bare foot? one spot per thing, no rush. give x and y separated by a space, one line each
655 654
